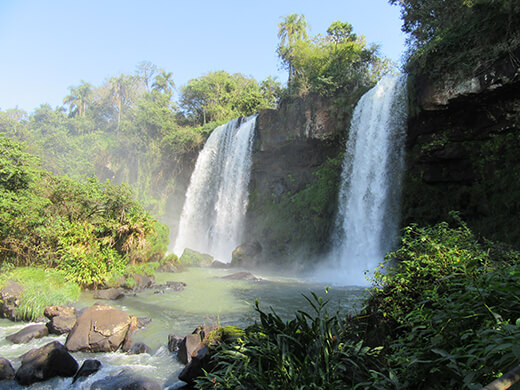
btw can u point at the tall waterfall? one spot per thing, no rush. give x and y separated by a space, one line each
216 201
369 197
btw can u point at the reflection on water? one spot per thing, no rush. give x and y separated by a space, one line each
206 299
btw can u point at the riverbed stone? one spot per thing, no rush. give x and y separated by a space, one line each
89 367
6 370
28 333
168 267
44 363
173 342
174 286
109 294
244 275
187 346
99 328
220 264
142 282
139 348
10 297
126 380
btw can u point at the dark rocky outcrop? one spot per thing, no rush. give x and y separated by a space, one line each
187 346
244 275
46 362
28 333
109 294
62 319
173 342
10 299
462 151
126 380
193 258
294 175
247 254
6 370
100 328
89 367
199 362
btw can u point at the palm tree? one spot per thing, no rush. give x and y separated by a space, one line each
79 98
120 89
292 29
164 83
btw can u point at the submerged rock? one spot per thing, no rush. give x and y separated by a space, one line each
99 328
193 258
126 380
138 348
109 294
44 363
175 286
89 367
6 370
244 275
28 333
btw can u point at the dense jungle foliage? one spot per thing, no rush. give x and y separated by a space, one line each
443 314
459 37
89 230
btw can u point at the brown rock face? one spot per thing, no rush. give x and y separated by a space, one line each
99 329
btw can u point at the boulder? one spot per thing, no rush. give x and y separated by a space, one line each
28 333
187 346
129 339
220 264
138 348
10 297
193 258
246 254
142 282
173 343
125 380
62 319
99 328
44 363
200 363
175 286
6 370
109 294
168 267
89 367
242 276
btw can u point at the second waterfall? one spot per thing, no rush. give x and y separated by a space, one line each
216 201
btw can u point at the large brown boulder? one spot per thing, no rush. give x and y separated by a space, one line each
62 319
109 294
10 299
44 363
100 328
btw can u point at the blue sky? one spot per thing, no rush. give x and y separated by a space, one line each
50 45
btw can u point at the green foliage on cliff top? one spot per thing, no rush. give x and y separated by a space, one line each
459 37
86 229
444 314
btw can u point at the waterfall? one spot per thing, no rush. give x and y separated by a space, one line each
369 197
216 201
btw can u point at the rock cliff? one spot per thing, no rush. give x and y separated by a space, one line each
463 151
294 178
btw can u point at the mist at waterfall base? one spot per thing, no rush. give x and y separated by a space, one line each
367 221
216 200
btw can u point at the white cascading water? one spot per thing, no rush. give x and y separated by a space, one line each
216 201
369 197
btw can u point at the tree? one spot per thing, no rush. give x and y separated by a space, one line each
121 88
164 83
146 71
78 99
292 29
